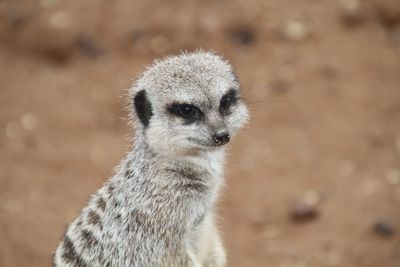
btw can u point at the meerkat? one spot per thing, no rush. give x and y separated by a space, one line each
159 207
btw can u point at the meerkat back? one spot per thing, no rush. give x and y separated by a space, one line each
158 208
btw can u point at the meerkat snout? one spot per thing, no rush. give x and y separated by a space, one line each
221 138
189 102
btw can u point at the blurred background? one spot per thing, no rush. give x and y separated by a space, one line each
314 181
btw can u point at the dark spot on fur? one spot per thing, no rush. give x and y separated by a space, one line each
131 227
110 189
187 173
142 220
94 218
89 240
143 108
53 259
128 173
199 220
193 179
101 204
178 75
235 77
116 204
198 187
69 254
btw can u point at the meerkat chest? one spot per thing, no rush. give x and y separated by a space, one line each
213 162
216 168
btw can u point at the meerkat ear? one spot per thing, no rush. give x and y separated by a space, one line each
143 108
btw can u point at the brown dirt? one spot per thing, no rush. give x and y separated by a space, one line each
322 79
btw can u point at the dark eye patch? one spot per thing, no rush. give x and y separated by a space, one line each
190 113
229 99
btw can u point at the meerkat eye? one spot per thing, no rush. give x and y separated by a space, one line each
186 111
227 101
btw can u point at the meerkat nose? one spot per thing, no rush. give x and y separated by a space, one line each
221 138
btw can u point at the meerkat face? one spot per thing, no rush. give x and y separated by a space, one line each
188 103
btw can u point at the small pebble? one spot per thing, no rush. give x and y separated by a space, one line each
302 212
242 36
88 46
383 229
388 13
295 31
271 231
352 13
57 48
29 121
59 20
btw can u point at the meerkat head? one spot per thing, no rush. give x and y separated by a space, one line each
188 103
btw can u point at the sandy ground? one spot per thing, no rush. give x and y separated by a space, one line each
322 79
